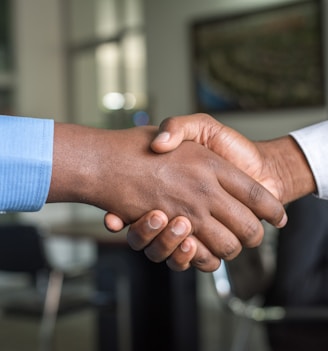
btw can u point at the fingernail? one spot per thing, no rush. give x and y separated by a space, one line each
185 246
179 228
163 137
155 222
283 221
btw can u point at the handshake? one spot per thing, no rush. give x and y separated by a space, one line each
193 191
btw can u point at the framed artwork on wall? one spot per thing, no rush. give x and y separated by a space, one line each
267 59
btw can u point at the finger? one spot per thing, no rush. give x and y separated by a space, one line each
218 239
253 195
181 258
113 223
169 239
203 259
243 199
144 230
192 252
232 226
172 131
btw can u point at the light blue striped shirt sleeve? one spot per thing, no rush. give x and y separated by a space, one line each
313 141
26 149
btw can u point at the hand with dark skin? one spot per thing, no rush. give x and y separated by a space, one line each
279 165
116 171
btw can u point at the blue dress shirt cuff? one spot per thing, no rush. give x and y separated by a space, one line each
26 149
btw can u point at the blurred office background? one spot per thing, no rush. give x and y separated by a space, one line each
117 64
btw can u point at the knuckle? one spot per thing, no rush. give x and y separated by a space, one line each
205 261
203 116
204 189
277 214
207 264
167 123
231 250
253 234
256 193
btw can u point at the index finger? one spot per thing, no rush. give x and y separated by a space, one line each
253 195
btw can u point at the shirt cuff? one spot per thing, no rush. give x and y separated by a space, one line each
26 149
313 141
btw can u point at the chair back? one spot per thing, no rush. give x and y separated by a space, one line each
21 249
247 274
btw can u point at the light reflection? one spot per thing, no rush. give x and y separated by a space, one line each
129 101
140 118
117 101
113 101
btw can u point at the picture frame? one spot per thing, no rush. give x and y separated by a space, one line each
267 59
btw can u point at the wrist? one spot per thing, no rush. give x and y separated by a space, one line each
285 161
73 164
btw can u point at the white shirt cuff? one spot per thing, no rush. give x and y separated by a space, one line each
313 141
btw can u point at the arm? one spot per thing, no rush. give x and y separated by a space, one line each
26 155
280 165
117 172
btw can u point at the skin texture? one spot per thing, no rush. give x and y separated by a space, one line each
118 172
279 165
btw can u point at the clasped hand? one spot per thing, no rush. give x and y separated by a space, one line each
223 204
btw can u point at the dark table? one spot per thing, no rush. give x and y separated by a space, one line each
142 306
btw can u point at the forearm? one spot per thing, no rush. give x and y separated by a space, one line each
286 162
104 168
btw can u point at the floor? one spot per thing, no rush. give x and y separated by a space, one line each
78 331
75 332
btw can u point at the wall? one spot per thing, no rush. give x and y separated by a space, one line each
39 59
169 80
39 75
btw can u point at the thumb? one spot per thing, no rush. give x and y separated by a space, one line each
166 141
113 223
173 131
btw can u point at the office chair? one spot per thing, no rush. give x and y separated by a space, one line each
22 251
249 291
241 295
